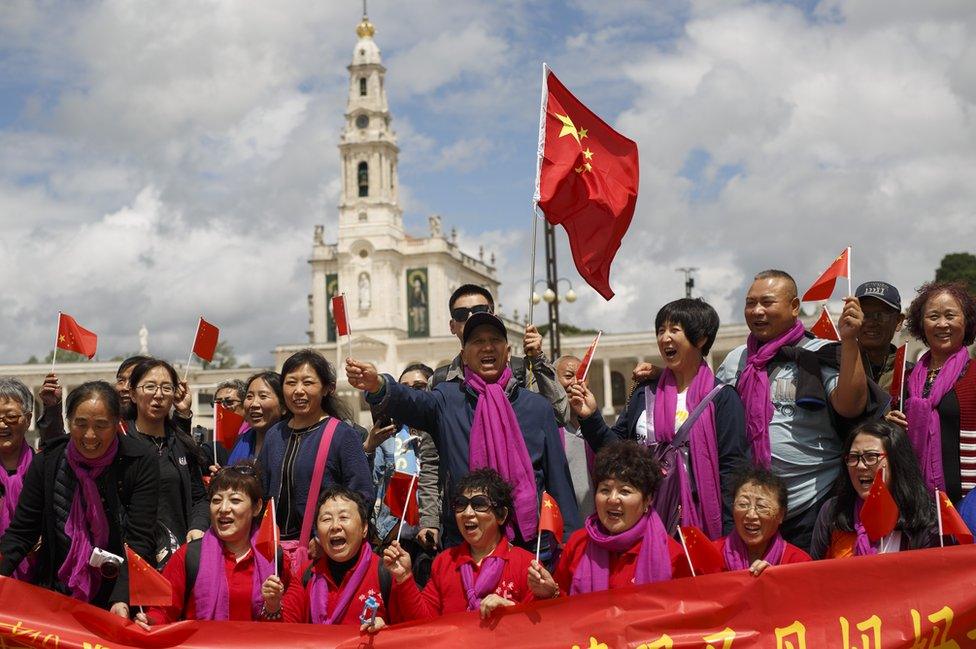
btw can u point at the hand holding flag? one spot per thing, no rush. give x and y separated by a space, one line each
823 288
703 557
147 587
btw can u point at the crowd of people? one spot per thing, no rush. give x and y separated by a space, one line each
753 454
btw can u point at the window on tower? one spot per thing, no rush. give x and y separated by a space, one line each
362 86
363 178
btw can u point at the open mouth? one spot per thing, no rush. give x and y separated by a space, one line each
337 542
488 361
752 529
865 481
470 526
255 416
224 522
615 515
300 402
670 353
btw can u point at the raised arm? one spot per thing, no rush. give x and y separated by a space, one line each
415 408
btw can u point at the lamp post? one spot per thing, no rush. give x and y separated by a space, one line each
552 298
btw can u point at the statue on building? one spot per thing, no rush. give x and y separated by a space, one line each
454 236
143 341
319 236
364 292
434 220
418 323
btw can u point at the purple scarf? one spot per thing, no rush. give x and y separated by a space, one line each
863 545
924 425
13 485
753 387
497 441
87 525
211 593
490 572
736 553
703 449
319 589
653 560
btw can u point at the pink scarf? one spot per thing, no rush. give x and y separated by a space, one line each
703 449
736 553
490 572
497 441
211 592
87 525
12 486
319 589
592 573
924 425
753 387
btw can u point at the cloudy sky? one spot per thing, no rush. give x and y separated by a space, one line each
159 160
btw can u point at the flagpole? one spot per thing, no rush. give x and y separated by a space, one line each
938 514
406 506
684 547
538 536
57 332
901 388
543 97
850 270
186 371
274 530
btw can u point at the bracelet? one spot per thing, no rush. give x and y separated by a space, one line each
268 615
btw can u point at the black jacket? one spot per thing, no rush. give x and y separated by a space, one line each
129 494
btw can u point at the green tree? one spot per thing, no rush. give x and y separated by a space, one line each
223 359
32 360
566 329
958 266
64 356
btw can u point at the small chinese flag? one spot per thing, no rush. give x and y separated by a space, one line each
339 314
551 517
704 557
205 344
587 181
268 536
824 327
73 337
824 286
879 514
146 586
897 387
227 424
584 367
950 522
401 494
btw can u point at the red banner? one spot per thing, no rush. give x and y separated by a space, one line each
913 600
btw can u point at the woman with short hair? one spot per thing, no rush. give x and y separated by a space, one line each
16 409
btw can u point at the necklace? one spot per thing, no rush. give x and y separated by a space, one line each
158 442
302 431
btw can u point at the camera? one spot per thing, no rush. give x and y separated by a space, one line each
108 564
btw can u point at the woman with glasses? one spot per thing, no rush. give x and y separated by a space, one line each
223 576
482 573
758 509
16 408
876 450
182 514
263 408
624 542
85 495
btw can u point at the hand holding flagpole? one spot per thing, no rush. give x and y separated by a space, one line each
57 335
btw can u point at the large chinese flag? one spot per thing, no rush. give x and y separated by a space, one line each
950 522
227 424
824 327
268 536
824 286
879 514
73 337
587 181
146 586
701 553
205 342
551 517
401 494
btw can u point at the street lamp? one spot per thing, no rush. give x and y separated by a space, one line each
549 296
552 298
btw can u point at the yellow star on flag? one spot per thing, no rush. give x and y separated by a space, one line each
61 338
582 134
588 154
568 127
547 504
588 166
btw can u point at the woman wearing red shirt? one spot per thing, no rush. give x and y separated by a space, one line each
624 542
482 573
233 581
758 509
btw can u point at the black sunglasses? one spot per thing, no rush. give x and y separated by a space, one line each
462 313
480 504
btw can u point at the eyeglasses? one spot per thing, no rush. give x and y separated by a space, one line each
151 388
12 420
870 459
227 402
762 509
480 504
462 313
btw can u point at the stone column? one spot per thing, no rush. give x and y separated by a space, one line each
607 388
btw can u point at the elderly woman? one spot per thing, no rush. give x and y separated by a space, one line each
335 588
624 541
657 412
758 509
482 573
940 399
92 489
314 441
876 450
263 408
182 514
222 576
16 408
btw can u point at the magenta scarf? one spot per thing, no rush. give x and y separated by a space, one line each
497 442
863 545
753 387
490 572
87 525
924 425
211 592
319 589
592 573
736 553
13 485
703 449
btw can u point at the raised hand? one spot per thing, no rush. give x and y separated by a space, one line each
532 343
377 435
397 561
363 376
541 583
581 400
645 372
51 390
851 319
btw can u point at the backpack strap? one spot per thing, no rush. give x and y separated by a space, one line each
321 455
307 576
191 566
684 431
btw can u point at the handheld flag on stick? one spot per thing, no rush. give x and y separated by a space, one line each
204 344
897 388
703 557
824 327
341 319
550 519
823 288
586 181
401 498
584 367
72 337
950 522
268 537
879 514
146 586
227 424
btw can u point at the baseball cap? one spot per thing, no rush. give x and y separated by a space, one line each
475 320
882 291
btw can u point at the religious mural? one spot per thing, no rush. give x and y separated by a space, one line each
418 322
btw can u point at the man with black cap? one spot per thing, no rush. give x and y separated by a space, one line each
483 420
881 305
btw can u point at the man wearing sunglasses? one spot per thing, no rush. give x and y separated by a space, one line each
883 318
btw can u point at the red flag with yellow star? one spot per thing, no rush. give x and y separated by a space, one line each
73 337
950 522
823 288
879 513
147 587
824 327
551 517
586 181
703 557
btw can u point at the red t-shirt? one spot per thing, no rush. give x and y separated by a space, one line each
623 565
791 553
444 593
